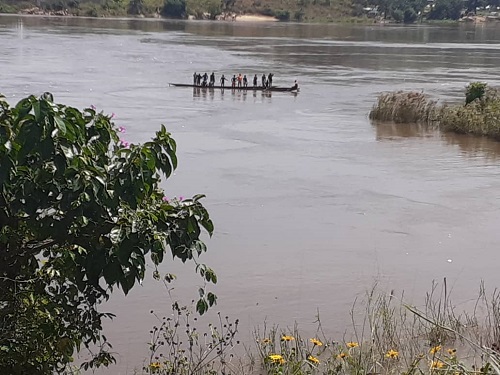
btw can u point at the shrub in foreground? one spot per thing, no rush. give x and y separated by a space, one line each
81 211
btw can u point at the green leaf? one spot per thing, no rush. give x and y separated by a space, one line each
212 299
201 306
60 124
37 111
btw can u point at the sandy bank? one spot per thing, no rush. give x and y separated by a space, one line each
255 18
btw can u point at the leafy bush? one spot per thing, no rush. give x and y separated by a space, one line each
298 15
5 8
446 9
397 15
201 8
474 90
80 212
282 15
409 15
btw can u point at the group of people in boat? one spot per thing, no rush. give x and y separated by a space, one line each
237 81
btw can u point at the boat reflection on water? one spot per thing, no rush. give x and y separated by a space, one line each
204 93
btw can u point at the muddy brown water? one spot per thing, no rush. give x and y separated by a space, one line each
312 203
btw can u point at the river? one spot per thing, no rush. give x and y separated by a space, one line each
312 203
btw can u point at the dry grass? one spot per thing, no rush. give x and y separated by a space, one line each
405 107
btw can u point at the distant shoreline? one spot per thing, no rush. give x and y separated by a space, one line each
228 17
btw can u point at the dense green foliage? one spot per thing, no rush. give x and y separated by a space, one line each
474 90
174 8
446 9
80 212
202 8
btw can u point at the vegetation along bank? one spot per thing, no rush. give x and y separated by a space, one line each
408 11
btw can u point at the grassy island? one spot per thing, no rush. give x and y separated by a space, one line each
478 115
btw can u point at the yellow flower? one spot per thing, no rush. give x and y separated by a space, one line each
435 349
266 341
313 359
277 358
342 355
392 354
352 344
452 352
155 365
287 338
437 364
316 342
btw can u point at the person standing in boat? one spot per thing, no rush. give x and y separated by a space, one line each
240 79
245 81
205 78
195 78
198 79
233 81
222 80
263 80
270 80
212 79
255 81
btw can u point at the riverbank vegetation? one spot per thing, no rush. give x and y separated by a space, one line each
387 336
408 11
478 115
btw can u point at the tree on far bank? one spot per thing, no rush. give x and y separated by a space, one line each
174 8
199 8
135 7
446 9
472 5
81 214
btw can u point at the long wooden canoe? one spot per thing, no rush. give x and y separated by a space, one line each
249 88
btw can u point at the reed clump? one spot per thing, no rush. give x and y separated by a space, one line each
479 115
405 107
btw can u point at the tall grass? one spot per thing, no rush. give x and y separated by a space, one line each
405 107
